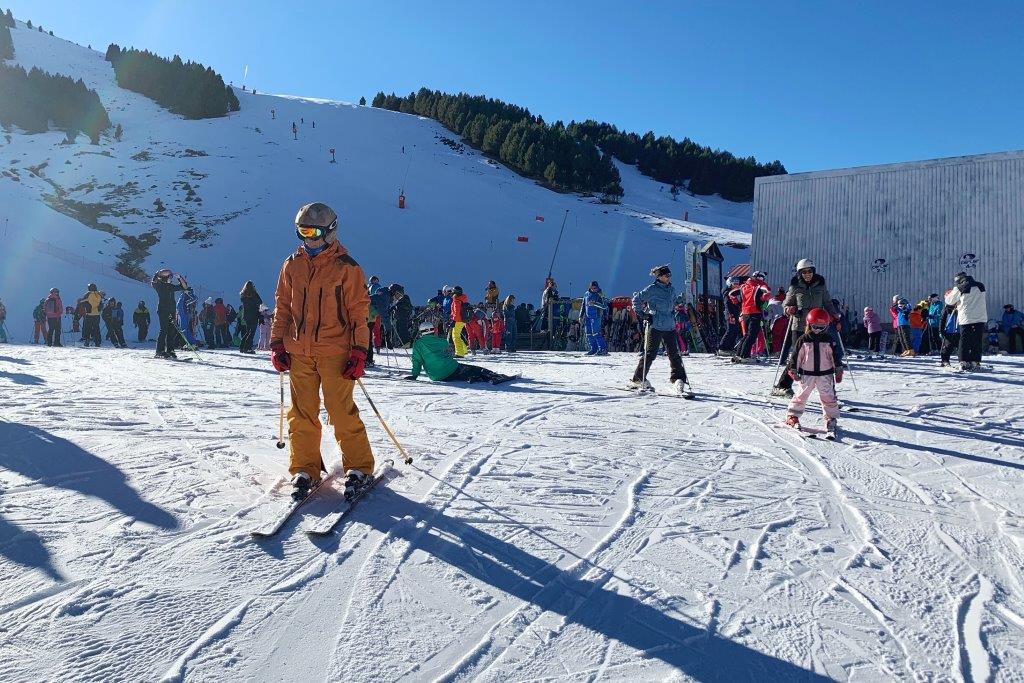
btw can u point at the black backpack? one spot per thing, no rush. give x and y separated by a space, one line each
466 312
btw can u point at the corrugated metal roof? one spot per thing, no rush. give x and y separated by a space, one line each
739 270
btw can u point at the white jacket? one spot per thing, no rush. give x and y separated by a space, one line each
971 307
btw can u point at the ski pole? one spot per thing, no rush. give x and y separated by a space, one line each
848 368
647 344
187 343
406 456
280 428
775 376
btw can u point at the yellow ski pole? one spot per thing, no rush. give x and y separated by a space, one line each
406 456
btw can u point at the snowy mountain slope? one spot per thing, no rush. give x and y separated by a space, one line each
575 532
215 199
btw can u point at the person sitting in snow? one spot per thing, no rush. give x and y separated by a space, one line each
432 354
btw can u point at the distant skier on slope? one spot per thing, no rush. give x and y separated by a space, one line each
814 364
655 305
322 346
432 354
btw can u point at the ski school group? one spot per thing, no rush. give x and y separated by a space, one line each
328 319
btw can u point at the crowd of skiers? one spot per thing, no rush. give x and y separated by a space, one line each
95 318
955 321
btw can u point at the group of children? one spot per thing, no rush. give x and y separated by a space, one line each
917 328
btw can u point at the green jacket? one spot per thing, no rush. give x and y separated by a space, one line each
432 352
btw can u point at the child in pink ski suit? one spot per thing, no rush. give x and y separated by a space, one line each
812 365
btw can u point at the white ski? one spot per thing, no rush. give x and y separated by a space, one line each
324 525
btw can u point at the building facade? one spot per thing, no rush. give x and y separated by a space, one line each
907 229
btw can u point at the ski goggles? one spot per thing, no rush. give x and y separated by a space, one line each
819 328
309 232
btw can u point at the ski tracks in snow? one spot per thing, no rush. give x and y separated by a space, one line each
895 553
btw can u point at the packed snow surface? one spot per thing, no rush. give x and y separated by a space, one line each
555 528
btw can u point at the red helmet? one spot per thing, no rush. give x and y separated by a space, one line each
818 316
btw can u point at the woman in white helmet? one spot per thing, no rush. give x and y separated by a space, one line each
807 290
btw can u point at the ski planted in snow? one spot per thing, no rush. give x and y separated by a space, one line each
326 524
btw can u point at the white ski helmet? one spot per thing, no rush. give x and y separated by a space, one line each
426 327
805 263
760 274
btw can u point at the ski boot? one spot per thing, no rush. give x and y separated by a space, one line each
740 359
782 391
679 388
356 481
640 385
793 421
830 428
301 483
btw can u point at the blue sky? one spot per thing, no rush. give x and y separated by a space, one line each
815 84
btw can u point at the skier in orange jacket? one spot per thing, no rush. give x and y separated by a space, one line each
320 337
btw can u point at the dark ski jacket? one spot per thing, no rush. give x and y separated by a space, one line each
251 308
141 317
401 316
165 295
806 296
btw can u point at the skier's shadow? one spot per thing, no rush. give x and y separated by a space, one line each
638 622
55 462
22 378
15 361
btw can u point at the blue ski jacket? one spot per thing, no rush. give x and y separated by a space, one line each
594 305
661 301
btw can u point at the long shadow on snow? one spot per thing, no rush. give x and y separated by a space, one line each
585 602
929 449
16 361
22 378
26 548
56 462
950 431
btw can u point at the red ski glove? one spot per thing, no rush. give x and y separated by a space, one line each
839 375
790 310
279 357
356 364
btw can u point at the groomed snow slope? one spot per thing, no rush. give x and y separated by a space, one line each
551 529
227 215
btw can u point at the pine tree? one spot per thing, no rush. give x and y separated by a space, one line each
552 174
6 43
28 24
362 102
